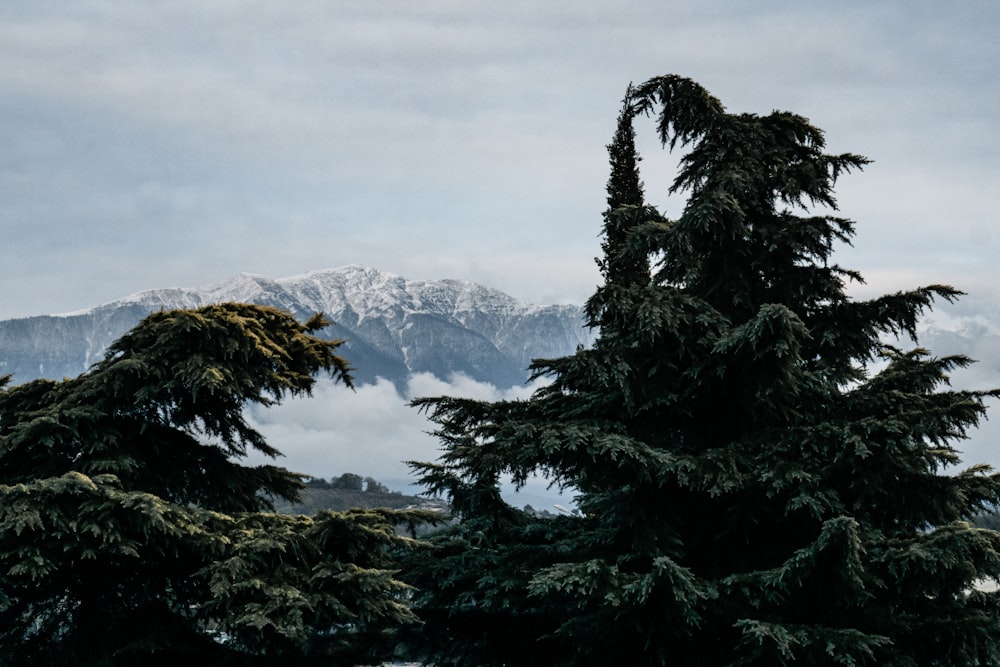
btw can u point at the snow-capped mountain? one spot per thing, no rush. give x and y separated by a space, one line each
393 326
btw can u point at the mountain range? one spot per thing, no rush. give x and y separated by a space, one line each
393 327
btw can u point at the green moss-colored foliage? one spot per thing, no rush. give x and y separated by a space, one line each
130 533
759 478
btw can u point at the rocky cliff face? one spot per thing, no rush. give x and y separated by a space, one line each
393 326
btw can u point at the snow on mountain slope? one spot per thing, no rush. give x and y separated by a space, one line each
393 327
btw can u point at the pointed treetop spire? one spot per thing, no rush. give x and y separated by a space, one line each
625 200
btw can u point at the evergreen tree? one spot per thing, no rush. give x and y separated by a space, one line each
759 476
625 202
130 532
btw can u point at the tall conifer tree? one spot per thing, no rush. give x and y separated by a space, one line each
131 532
625 201
760 478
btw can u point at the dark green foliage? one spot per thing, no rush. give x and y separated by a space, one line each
759 476
316 483
130 533
349 481
372 485
625 205
296 586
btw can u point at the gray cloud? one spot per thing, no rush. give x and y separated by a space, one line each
369 431
178 143
181 143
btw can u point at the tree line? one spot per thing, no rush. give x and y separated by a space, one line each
349 481
758 465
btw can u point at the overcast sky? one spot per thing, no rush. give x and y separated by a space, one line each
180 142
177 143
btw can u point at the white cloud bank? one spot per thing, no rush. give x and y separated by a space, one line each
370 431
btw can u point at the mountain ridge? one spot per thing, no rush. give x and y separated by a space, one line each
393 326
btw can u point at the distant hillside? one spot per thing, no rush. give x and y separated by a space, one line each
317 497
393 327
